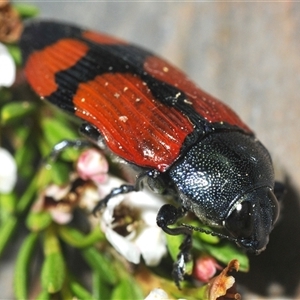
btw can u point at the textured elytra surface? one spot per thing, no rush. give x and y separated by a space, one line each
146 110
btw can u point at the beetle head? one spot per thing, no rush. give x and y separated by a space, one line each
252 218
227 180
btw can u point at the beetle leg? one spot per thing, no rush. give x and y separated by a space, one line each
65 144
168 215
123 189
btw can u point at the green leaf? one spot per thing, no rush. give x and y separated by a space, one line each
53 269
53 272
101 290
79 291
173 243
7 230
26 10
7 206
24 140
61 172
28 196
15 52
202 292
15 110
25 157
127 289
21 272
76 239
43 295
55 131
37 221
100 263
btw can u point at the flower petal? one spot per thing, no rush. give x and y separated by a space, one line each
8 171
126 248
157 294
7 67
152 245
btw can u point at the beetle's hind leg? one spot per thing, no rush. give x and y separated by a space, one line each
168 215
123 189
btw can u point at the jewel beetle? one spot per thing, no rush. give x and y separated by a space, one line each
180 140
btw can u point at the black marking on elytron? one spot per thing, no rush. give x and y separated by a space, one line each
38 35
121 58
102 59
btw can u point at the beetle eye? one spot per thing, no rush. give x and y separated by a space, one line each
240 222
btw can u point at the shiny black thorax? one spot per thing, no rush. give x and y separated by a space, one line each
218 170
219 173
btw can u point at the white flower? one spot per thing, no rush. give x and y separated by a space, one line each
7 67
157 294
129 223
8 171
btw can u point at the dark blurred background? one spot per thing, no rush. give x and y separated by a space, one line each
246 54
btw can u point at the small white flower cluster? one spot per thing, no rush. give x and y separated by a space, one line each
8 172
8 168
7 67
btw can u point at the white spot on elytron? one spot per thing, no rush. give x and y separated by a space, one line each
148 153
84 112
144 83
125 89
82 99
137 99
117 95
165 69
106 83
177 95
123 119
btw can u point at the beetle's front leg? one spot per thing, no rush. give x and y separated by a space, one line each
168 215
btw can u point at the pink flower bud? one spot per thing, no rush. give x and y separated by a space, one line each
205 268
92 165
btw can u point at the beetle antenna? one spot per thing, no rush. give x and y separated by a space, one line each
218 234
